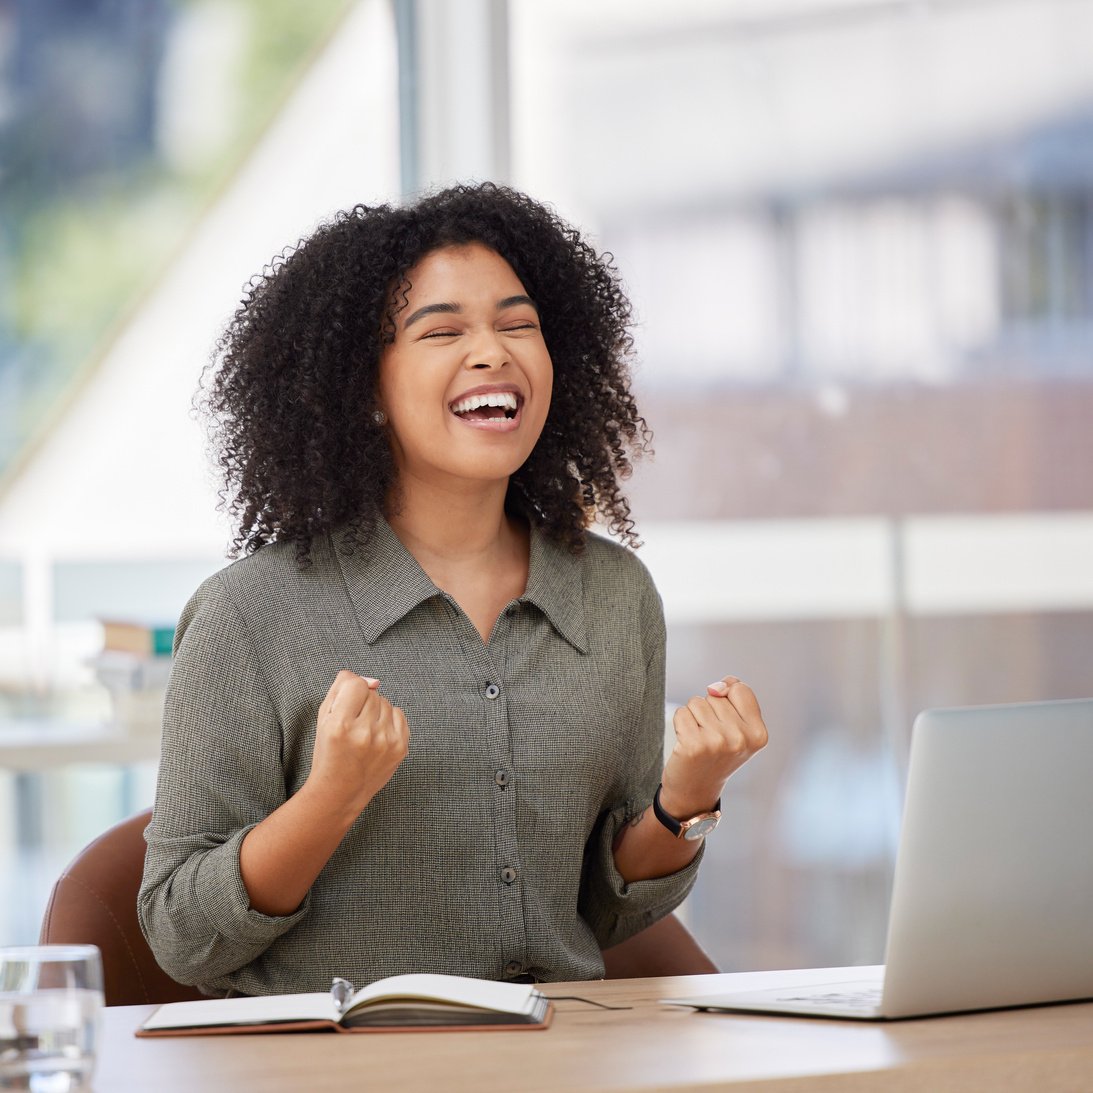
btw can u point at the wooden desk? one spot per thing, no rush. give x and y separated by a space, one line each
646 1049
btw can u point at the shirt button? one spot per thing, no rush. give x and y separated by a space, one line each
513 967
501 777
508 874
492 690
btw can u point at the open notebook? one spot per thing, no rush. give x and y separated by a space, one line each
992 902
396 1004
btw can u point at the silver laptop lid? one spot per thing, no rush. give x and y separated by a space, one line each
992 903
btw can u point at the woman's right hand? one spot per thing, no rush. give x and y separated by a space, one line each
360 741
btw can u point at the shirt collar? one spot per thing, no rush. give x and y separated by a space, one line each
385 583
556 587
383 579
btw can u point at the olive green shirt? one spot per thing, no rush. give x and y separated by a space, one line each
489 852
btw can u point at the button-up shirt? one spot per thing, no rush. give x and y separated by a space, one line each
489 852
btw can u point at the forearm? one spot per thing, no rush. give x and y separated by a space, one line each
645 849
360 741
194 910
282 856
715 736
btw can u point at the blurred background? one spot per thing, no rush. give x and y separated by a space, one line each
859 238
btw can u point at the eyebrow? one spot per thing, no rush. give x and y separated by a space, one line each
455 309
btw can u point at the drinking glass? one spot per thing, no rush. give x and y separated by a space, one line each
50 1004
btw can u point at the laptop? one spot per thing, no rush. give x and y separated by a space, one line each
992 900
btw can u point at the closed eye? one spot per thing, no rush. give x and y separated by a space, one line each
513 329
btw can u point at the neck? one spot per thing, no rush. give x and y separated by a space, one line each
456 527
466 544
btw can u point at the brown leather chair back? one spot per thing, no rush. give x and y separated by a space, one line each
665 948
95 901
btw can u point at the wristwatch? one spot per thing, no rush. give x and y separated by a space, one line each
697 827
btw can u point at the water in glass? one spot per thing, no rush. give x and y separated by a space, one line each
50 1001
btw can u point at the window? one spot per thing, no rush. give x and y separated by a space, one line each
156 155
858 239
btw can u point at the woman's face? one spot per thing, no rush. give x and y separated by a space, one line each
466 383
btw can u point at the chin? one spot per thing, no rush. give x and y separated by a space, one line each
487 466
492 472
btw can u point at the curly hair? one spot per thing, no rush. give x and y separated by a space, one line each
293 376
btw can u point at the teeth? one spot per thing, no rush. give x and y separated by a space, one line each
504 399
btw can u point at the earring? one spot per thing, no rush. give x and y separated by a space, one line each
379 417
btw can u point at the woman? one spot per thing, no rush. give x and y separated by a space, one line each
420 725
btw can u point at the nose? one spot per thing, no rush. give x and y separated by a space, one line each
486 351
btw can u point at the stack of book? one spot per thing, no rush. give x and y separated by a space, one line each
133 665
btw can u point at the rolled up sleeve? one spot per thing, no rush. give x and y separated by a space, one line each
613 908
220 774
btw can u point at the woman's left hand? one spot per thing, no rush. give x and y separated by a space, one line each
716 734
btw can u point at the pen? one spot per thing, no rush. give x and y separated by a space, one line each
341 990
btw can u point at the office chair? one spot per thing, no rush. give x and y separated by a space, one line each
95 901
665 948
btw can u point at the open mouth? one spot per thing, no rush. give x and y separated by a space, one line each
493 406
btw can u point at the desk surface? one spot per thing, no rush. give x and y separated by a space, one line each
645 1049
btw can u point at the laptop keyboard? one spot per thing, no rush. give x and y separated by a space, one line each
864 1000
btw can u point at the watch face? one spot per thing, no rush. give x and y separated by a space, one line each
701 828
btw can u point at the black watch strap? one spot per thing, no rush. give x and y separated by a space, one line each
670 822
